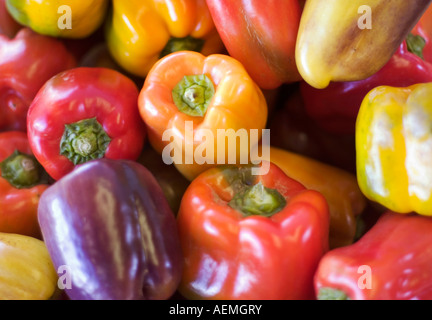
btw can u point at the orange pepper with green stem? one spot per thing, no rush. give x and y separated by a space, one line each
188 97
140 32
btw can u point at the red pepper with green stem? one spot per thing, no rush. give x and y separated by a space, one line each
247 236
26 63
84 114
22 183
335 108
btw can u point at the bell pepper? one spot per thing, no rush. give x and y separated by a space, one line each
26 269
340 41
250 237
390 262
60 18
339 187
140 32
336 107
26 63
262 36
121 241
22 182
188 94
394 145
8 26
84 114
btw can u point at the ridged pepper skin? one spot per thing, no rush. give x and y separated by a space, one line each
83 114
223 96
332 47
140 32
235 248
109 222
8 26
26 269
336 107
27 61
21 186
390 262
45 17
394 148
262 36
339 187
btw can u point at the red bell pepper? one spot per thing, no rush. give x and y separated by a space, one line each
335 108
84 114
392 261
26 63
250 237
22 183
262 36
8 26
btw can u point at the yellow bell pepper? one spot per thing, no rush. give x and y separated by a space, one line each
74 19
140 32
26 270
394 148
345 40
339 187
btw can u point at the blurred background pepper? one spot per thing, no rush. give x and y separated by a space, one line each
8 26
140 32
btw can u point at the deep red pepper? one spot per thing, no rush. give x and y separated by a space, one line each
8 26
84 114
26 63
392 261
335 108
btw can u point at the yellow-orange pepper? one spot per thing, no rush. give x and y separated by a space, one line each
140 32
190 102
74 19
339 187
394 148
26 270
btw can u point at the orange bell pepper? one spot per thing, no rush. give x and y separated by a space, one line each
188 97
339 187
22 182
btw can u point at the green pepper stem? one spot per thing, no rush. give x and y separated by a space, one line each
258 200
416 44
84 141
332 294
182 44
193 94
21 170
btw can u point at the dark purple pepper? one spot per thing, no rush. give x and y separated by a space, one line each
110 224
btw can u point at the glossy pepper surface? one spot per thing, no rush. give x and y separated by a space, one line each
336 107
84 114
188 98
394 146
248 236
349 41
339 187
390 262
26 62
26 269
22 182
121 241
60 18
140 32
262 36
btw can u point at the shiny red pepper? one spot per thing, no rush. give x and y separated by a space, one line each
84 114
22 182
247 236
392 261
26 63
335 108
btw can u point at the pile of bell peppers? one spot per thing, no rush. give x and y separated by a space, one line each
115 183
